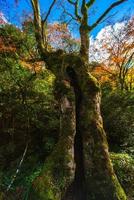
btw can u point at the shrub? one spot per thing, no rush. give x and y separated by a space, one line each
117 110
124 167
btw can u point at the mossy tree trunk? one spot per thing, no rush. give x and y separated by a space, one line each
99 180
59 169
84 34
93 177
79 168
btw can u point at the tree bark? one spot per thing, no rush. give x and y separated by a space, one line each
100 180
58 171
79 168
84 35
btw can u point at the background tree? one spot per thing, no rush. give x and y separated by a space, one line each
114 47
60 37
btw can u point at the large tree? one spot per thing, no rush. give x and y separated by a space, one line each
79 167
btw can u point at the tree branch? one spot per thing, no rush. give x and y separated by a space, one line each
76 10
68 13
71 2
90 3
38 25
105 13
49 11
44 21
76 6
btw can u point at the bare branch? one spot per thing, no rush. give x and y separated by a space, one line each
68 13
44 21
71 2
83 7
49 11
105 13
76 10
90 3
76 7
38 25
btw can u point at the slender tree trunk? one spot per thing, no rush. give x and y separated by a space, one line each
84 49
58 172
121 84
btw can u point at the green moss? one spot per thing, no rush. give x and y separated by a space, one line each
94 81
44 189
88 83
56 175
119 190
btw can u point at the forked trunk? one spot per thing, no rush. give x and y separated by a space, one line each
79 167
